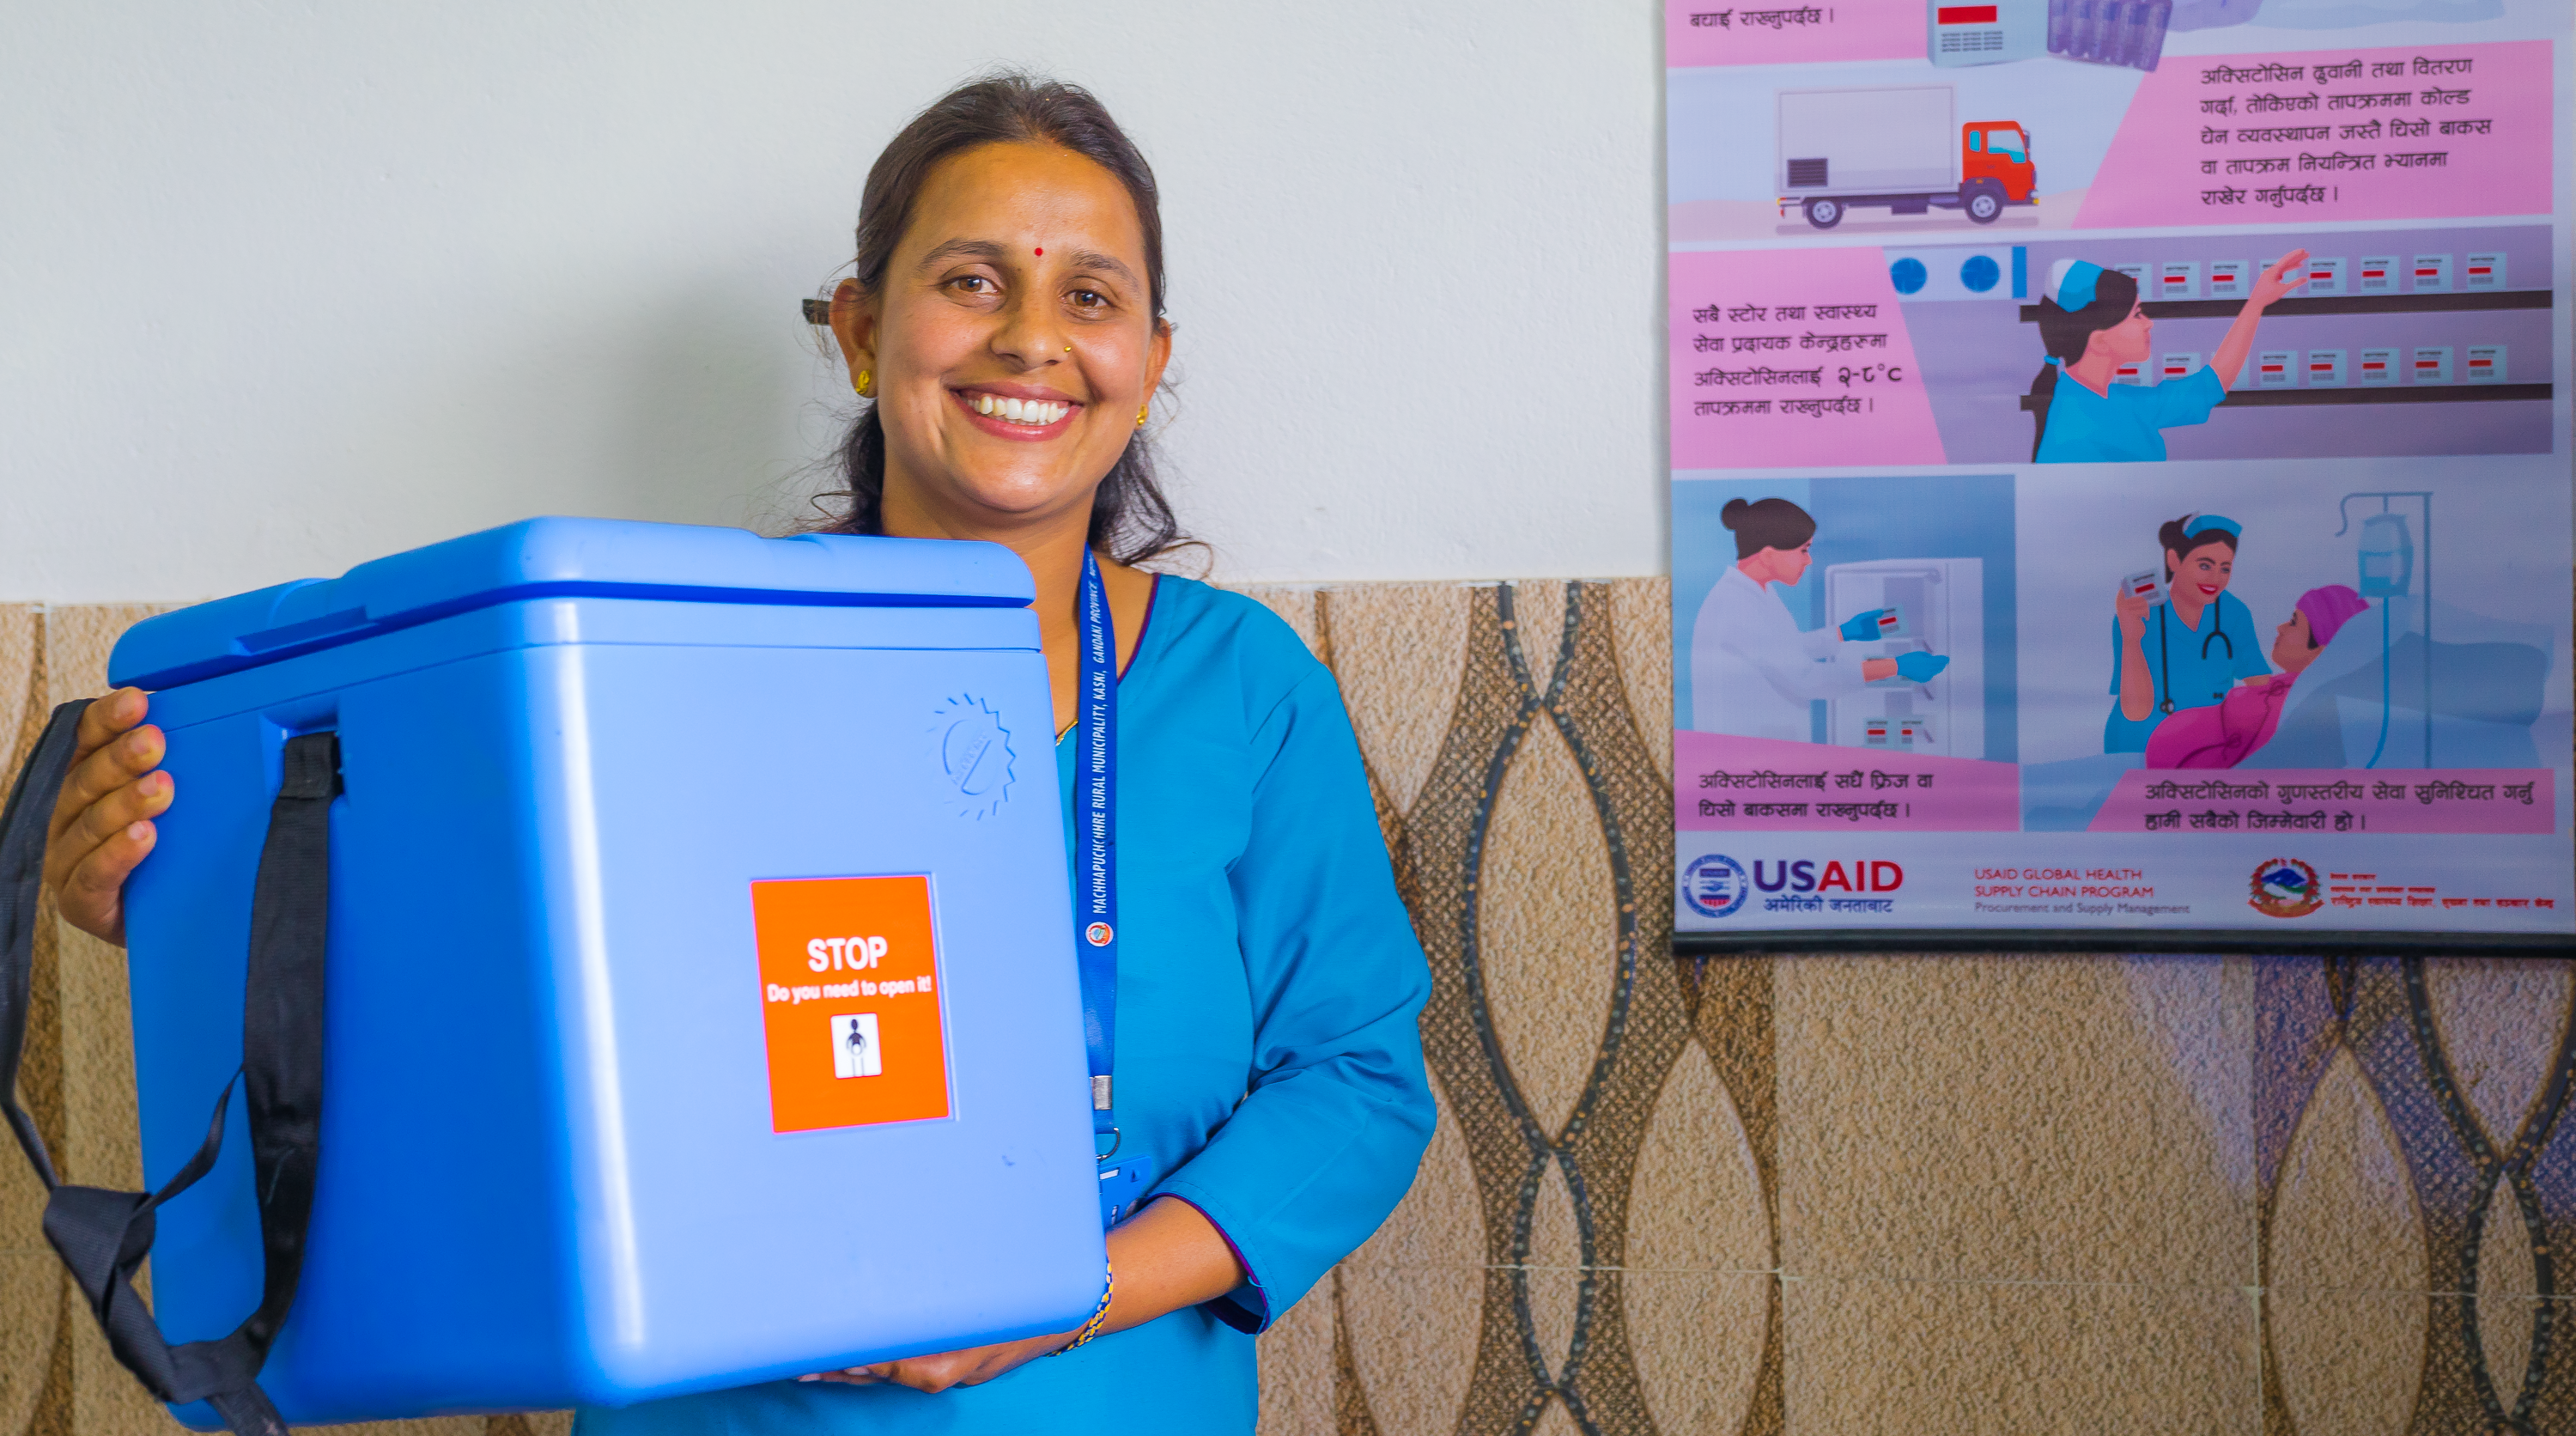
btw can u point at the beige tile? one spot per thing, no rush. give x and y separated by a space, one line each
32 1308
1399 651
2345 1217
1413 1342
1697 1200
101 1143
1910 1358
1641 613
23 692
1554 1273
2505 1265
2348 1363
1538 620
1296 1361
1549 922
24 703
2504 1334
2015 1118
2500 1020
1697 1339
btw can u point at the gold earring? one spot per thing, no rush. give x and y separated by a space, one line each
867 380
1140 416
1068 349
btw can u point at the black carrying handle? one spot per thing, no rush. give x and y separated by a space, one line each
103 1236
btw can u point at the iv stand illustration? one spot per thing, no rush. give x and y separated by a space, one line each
2387 563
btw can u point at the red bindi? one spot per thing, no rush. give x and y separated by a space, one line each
1040 253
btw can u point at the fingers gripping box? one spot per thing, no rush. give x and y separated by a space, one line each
700 999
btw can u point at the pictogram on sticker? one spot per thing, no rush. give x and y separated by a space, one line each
850 1001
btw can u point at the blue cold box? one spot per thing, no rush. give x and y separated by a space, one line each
549 1174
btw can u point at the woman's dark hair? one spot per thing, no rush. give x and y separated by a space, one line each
1130 518
2064 333
1766 523
2174 538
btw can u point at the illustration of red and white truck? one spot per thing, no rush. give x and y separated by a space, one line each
1841 149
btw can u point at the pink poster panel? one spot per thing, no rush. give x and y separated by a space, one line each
1793 358
2332 135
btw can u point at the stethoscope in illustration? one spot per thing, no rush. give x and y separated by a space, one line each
2164 659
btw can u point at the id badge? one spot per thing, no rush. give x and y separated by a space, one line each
1123 1184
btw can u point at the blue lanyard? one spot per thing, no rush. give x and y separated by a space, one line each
1095 816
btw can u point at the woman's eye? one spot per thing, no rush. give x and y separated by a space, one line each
972 284
1090 298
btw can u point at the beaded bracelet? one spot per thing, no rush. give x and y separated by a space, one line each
1099 1315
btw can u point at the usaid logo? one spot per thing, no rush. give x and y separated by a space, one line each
1715 885
1804 875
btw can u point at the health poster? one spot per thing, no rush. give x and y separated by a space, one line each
2120 478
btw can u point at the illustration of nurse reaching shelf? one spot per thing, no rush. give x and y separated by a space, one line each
2092 323
2187 651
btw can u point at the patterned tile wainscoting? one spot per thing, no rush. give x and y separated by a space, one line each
1879 1193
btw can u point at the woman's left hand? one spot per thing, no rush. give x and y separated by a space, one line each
971 1367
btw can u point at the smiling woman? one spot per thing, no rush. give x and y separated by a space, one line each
1004 320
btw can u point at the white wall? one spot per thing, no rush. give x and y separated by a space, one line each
285 287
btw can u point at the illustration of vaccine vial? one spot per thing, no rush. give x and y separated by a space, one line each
2230 279
2276 369
2138 272
1874 733
2483 271
2486 364
2431 364
2178 279
2325 369
2176 366
2132 373
2325 276
2377 366
2430 273
2375 274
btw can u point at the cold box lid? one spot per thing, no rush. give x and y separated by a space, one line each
558 557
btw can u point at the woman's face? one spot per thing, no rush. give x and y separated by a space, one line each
1014 340
2126 342
1786 565
2203 572
2293 644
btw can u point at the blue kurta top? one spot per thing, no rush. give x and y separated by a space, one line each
1268 1058
2124 425
2200 664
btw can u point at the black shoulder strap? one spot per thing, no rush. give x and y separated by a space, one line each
103 1236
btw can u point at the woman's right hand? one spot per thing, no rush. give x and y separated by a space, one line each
102 823
2132 609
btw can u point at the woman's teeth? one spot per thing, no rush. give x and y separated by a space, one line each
1034 412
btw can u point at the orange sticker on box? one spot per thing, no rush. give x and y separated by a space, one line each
849 995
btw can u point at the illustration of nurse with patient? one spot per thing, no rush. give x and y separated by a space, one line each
2092 323
2187 651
